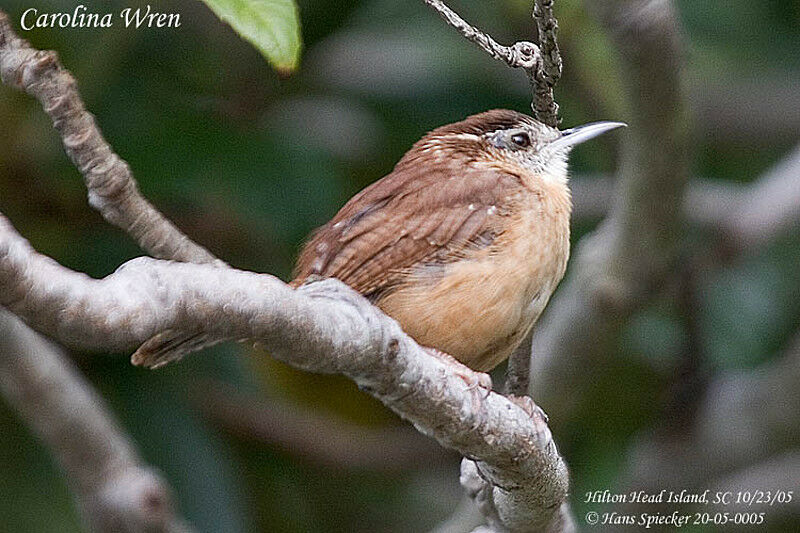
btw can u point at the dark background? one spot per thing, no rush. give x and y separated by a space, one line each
248 163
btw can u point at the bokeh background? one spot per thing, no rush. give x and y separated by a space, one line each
248 163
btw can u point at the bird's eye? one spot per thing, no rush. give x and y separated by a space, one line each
522 140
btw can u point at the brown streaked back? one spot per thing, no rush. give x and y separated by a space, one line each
440 198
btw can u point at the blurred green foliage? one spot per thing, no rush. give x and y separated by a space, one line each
248 163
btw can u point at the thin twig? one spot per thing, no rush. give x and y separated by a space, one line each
516 56
549 72
543 73
542 64
519 369
547 25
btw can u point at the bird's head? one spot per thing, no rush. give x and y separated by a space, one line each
510 137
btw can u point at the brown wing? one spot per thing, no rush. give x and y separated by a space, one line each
405 219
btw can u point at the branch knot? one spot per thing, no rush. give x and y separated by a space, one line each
526 55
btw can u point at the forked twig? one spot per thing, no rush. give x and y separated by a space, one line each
542 62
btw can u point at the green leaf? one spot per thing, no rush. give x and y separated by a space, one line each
272 26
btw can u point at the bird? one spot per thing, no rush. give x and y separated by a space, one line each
465 240
462 243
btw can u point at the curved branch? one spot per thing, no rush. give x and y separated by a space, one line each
321 327
112 189
115 491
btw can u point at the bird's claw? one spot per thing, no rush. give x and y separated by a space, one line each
527 405
475 380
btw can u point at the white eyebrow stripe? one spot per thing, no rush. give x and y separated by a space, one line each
513 128
440 140
466 136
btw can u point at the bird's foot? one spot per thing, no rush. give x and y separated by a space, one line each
475 380
527 405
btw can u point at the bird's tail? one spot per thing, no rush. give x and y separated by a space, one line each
171 345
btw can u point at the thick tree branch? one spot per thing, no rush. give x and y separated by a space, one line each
614 269
541 63
321 327
114 490
501 507
324 327
112 189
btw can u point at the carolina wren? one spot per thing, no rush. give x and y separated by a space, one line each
464 242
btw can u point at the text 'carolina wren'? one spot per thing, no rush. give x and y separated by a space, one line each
464 242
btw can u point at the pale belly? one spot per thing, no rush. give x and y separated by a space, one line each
480 309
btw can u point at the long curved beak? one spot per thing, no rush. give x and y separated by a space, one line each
579 134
